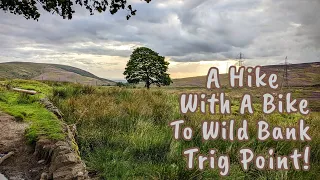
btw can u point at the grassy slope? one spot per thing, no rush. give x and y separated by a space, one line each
299 75
26 70
20 70
124 134
27 108
78 71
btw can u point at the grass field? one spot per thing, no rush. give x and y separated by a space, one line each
123 133
27 108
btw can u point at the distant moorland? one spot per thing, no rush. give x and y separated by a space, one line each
50 72
305 74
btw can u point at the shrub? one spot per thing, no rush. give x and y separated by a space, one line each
25 98
72 90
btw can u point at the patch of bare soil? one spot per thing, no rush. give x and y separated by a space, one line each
23 164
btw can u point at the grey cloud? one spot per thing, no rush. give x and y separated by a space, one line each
99 51
194 30
94 64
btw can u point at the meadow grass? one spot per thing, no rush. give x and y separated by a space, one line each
124 133
25 107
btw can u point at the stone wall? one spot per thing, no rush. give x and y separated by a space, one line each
63 157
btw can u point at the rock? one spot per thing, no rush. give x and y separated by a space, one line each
66 162
66 159
41 161
44 176
34 172
51 107
73 129
60 144
44 149
71 172
16 177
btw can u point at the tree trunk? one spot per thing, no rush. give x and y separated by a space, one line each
25 91
148 81
148 84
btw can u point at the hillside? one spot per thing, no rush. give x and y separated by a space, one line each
50 72
305 74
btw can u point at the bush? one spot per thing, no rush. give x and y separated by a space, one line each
72 90
25 98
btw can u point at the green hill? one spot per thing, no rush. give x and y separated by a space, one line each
50 72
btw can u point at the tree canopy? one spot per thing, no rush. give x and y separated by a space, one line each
64 8
145 65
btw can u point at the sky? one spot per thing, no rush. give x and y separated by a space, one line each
193 35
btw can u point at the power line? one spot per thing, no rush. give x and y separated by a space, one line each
285 74
240 59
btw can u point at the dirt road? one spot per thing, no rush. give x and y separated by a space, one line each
23 164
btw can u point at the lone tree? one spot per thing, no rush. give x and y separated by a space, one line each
147 66
64 8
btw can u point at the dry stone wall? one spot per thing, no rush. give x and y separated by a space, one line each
63 157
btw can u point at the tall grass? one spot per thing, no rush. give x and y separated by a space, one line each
124 134
72 90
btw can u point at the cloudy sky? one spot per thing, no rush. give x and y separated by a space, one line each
192 34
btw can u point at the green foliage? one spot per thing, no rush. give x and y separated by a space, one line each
120 84
70 90
25 98
147 66
125 85
65 8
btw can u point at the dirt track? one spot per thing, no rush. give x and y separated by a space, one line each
23 164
